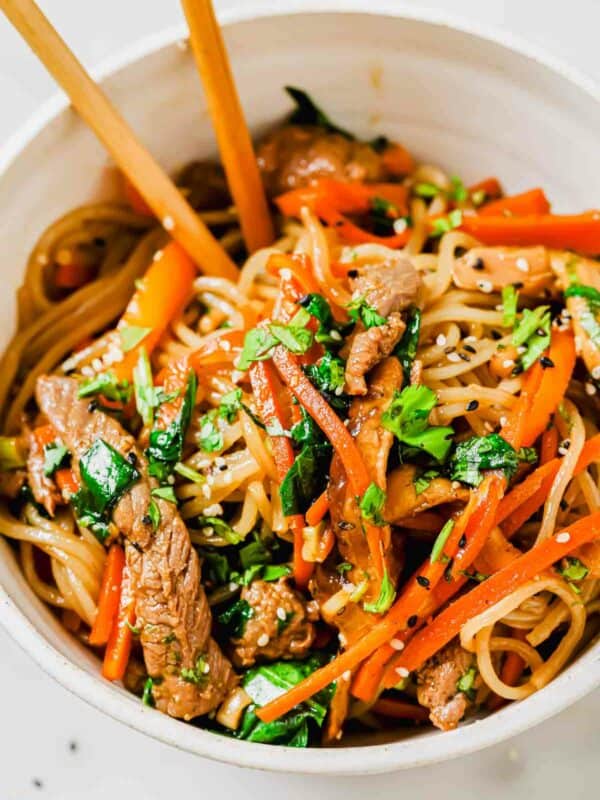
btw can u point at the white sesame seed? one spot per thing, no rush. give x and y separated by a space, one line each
210 480
486 286
346 422
336 336
205 489
339 391
403 672
88 372
168 223
339 734
578 348
522 264
397 644
233 586
440 340
347 675
470 339
228 477
209 531
206 668
499 307
400 225
171 479
216 510
281 613
508 362
286 274
596 373
157 256
503 421
453 357
236 375
97 364
455 485
220 461
590 389
564 537
521 349
263 640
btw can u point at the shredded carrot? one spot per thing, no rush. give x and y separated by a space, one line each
110 592
160 297
532 202
490 187
299 267
317 511
118 648
448 624
397 160
400 709
66 481
549 445
579 232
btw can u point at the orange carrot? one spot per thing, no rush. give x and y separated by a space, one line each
317 511
400 709
66 481
397 160
110 592
489 187
118 648
263 380
549 445
448 624
518 205
341 440
299 267
160 298
481 521
514 429
579 232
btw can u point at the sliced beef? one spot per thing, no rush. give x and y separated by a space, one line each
498 267
171 607
294 155
403 500
389 287
437 686
45 491
12 482
279 627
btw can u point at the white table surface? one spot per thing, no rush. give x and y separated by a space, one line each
53 745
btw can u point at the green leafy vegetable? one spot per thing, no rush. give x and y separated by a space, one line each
359 309
221 528
258 346
235 618
147 696
426 190
458 192
387 593
328 377
210 437
466 683
533 332
446 224
509 305
146 398
422 480
55 456
588 315
166 493
480 453
406 349
329 331
308 113
372 503
407 417
215 567
198 674
581 290
272 572
107 385
230 404
154 513
294 337
574 569
267 682
189 473
440 542
166 446
131 336
307 476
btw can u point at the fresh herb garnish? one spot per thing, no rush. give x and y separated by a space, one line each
307 476
440 542
131 336
387 593
480 453
359 309
509 305
258 346
147 697
165 493
408 418
372 503
466 683
55 456
573 569
210 437
406 349
422 480
154 514
198 674
107 385
588 315
328 377
230 404
189 473
329 332
446 224
533 332
166 446
145 394
221 528
235 618
308 113
426 190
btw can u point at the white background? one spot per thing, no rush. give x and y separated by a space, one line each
54 746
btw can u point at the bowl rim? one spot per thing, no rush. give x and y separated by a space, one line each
583 676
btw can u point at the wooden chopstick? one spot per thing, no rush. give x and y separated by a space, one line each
233 137
157 189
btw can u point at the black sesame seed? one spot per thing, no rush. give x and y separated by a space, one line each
464 356
131 457
469 348
478 264
449 349
472 405
517 369
423 581
563 505
338 223
564 445
92 406
496 335
459 252
353 273
546 362
304 299
147 519
345 525
412 621
462 541
448 571
99 241
518 284
37 783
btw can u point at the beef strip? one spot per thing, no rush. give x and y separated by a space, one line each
389 287
403 500
12 482
45 491
171 607
437 686
294 155
278 628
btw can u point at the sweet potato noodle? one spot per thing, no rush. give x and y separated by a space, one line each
358 487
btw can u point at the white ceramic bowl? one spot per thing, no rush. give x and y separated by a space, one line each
475 102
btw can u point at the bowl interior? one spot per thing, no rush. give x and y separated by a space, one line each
470 104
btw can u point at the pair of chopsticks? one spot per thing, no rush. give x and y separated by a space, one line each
157 189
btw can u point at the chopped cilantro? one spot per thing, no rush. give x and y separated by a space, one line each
154 513
55 455
210 438
466 683
235 618
165 493
407 417
258 346
387 593
446 224
147 697
422 480
573 569
406 349
146 398
440 542
198 673
221 528
480 453
328 377
359 309
230 404
189 473
372 503
107 385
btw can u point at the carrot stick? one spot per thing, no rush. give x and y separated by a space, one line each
490 187
299 267
579 232
397 160
532 202
317 511
400 709
448 624
108 600
341 440
549 445
263 380
66 481
118 648
158 300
